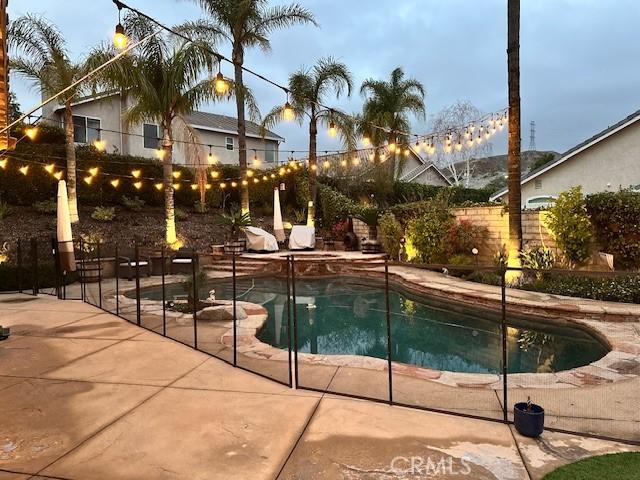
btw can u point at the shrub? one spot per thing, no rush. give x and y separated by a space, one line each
181 215
461 259
104 214
339 229
616 220
462 238
199 207
135 204
334 205
369 216
537 258
49 207
614 289
425 237
569 223
392 234
5 210
488 278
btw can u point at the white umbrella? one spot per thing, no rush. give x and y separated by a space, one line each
278 227
65 238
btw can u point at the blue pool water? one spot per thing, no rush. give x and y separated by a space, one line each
342 315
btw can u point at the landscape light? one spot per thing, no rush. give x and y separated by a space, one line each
366 141
100 145
88 180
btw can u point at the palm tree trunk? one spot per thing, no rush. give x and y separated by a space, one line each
313 160
513 158
70 149
167 180
238 58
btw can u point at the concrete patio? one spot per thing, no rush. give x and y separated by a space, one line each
85 395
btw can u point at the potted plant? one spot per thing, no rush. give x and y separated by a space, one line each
236 221
369 216
528 418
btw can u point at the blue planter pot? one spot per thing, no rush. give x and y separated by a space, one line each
529 423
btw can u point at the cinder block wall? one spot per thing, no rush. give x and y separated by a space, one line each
496 220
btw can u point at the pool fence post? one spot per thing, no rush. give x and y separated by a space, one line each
164 293
99 274
137 260
19 266
56 266
117 271
195 296
295 319
503 288
83 275
34 264
235 318
289 322
388 317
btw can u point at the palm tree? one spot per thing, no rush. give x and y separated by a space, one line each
388 104
245 24
42 58
307 90
164 81
513 157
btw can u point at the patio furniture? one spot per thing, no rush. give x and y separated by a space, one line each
302 238
182 261
128 265
258 240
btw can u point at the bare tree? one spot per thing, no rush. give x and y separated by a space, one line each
459 161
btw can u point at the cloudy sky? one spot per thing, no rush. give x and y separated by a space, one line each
579 58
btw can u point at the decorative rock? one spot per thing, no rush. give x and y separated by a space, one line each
221 313
212 296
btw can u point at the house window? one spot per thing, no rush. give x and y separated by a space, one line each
150 133
85 129
229 143
270 153
538 184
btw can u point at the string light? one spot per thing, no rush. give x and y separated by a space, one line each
158 186
214 174
220 84
93 171
50 168
326 164
88 180
207 186
115 183
288 113
58 175
234 184
366 141
194 186
372 156
100 145
3 163
31 132
223 185
249 173
211 159
406 152
332 129
256 180
264 178
120 40
24 169
177 174
256 160
176 186
136 173
160 154
137 185
343 162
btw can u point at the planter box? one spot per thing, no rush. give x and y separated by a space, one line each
528 423
236 246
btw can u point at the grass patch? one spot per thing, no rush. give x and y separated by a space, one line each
617 466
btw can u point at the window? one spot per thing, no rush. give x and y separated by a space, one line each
150 133
85 129
229 143
538 184
270 153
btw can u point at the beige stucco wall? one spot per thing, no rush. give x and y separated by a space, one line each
109 111
611 164
431 177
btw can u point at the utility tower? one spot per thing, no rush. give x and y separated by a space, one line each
532 136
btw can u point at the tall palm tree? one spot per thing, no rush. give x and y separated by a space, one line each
513 157
41 56
308 88
164 81
388 104
245 24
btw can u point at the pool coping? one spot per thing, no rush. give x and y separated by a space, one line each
619 364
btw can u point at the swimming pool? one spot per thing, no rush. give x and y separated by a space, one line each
345 316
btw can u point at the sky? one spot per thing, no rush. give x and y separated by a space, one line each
580 59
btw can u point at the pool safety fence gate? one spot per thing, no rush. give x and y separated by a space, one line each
301 326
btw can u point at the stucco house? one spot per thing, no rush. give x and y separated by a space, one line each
610 160
100 117
418 170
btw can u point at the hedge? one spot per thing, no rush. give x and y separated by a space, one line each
615 217
612 289
39 185
334 205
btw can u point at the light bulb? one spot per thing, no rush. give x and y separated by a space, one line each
332 129
245 183
249 173
160 154
93 171
137 185
194 186
136 173
50 168
234 184
100 145
366 141
287 112
220 84
158 186
115 183
207 186
223 185
120 40
88 180
58 175
31 132
24 170
343 162
3 163
392 147
176 186
215 174
177 174
326 164
211 159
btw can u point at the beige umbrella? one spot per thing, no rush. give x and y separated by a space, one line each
65 238
278 227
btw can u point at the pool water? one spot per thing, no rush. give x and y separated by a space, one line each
342 315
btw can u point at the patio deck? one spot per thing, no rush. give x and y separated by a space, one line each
85 394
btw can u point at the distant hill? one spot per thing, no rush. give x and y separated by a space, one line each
492 170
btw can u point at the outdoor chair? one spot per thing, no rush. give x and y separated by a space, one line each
182 261
127 264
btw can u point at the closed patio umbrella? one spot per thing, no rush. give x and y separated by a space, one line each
65 238
278 227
